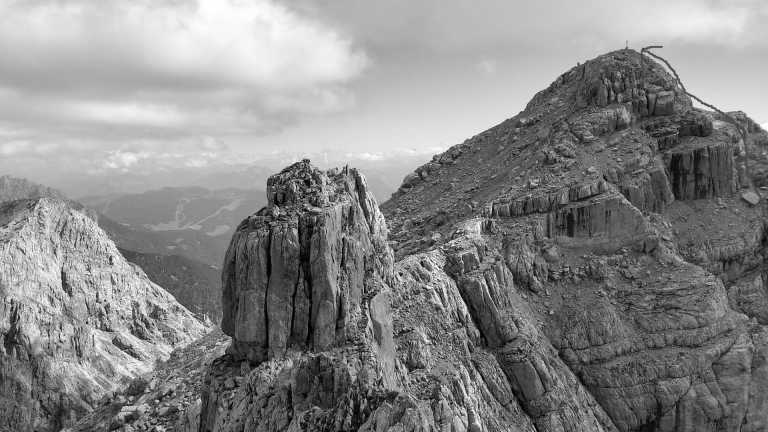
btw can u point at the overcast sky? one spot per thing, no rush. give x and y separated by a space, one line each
95 87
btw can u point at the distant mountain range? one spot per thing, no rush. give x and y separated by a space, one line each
384 174
191 221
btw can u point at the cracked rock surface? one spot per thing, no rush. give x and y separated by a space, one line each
77 320
590 264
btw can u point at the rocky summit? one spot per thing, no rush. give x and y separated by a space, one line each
595 263
77 320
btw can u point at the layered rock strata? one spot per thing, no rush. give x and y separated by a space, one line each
302 272
587 265
307 294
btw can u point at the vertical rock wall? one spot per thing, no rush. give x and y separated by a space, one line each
702 172
308 270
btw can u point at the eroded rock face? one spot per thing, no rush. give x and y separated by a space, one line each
307 285
302 272
663 328
76 319
702 172
588 265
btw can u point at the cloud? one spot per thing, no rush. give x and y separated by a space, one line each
14 147
764 126
169 67
211 144
498 25
488 66
388 155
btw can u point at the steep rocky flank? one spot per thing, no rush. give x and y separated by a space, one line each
622 221
595 263
76 319
322 341
301 272
167 399
194 284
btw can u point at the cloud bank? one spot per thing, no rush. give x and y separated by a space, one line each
168 68
449 26
142 86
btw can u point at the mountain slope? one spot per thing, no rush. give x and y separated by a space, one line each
618 209
76 318
195 284
595 263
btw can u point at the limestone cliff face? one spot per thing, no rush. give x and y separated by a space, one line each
76 319
622 222
309 273
302 272
595 263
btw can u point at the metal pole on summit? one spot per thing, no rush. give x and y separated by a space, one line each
727 117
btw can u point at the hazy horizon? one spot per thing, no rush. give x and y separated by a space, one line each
95 90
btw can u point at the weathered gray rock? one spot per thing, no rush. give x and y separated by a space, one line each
309 273
303 271
751 197
77 319
701 172
584 266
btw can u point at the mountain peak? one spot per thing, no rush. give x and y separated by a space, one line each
611 124
623 77
297 183
79 319
298 270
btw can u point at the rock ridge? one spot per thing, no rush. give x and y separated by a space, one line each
589 264
302 271
78 320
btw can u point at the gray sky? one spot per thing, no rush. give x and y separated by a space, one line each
104 87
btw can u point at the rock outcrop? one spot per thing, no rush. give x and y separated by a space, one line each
77 320
307 270
193 283
306 286
591 264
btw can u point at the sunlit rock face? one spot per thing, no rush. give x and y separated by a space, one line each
308 269
77 320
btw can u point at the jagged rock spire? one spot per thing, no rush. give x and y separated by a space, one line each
303 271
